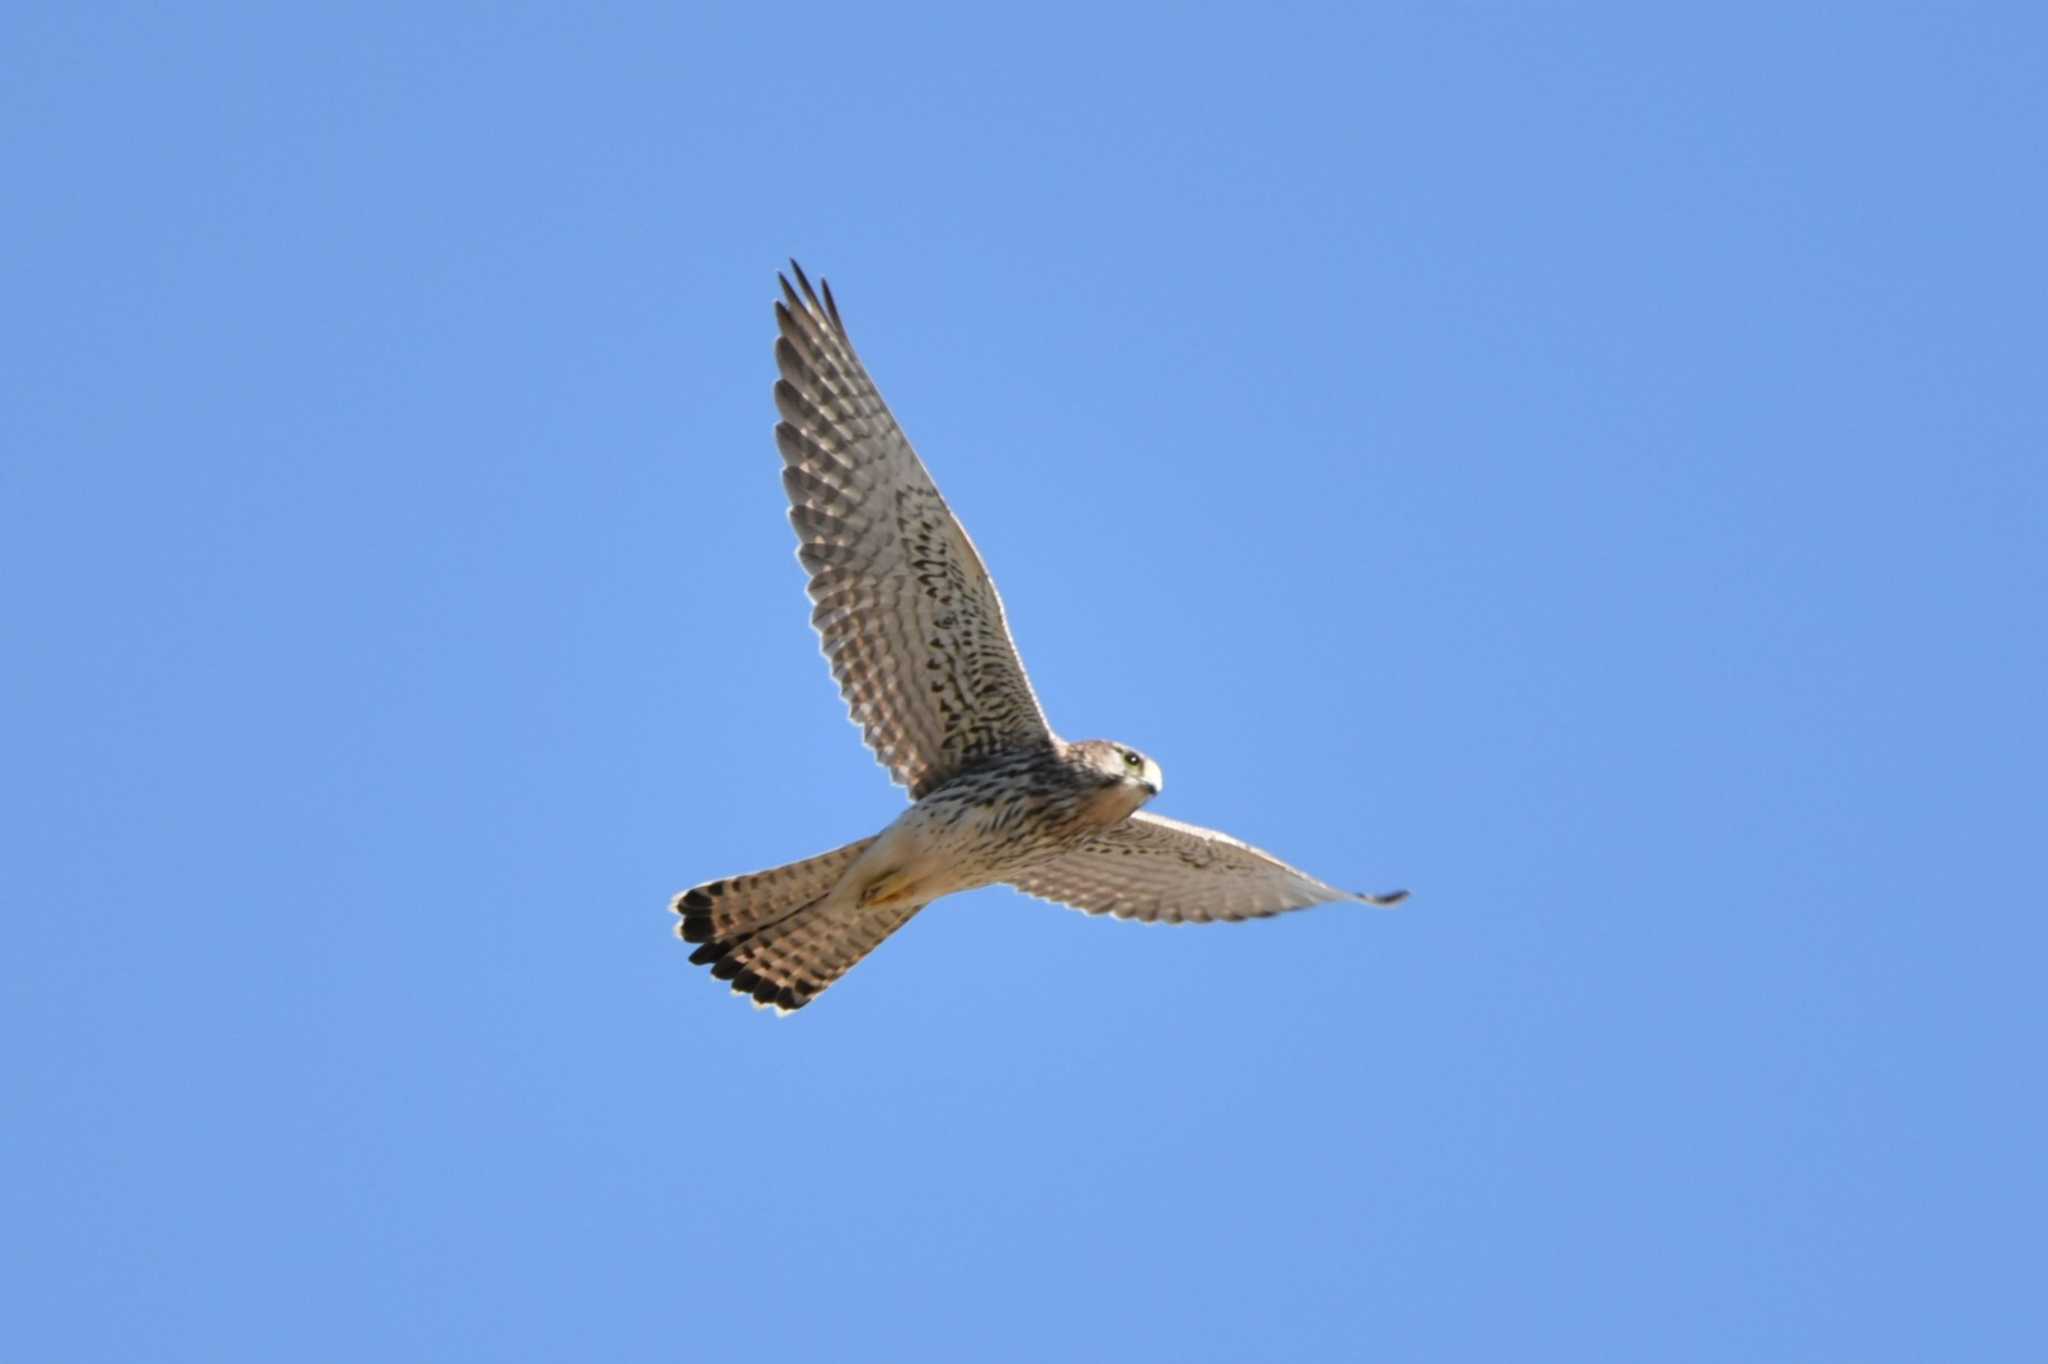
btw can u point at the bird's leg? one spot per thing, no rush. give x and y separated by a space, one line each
888 886
900 861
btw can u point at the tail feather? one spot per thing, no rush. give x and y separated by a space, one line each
736 904
790 962
773 934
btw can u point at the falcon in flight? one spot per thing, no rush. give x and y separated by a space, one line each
914 631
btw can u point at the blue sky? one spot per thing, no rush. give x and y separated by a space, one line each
1584 466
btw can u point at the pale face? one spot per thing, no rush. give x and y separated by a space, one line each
1131 778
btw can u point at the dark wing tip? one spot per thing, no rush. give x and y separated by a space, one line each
1384 899
825 308
803 282
831 305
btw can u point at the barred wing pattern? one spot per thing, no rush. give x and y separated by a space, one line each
909 619
1163 871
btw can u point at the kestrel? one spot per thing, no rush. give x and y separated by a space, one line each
914 631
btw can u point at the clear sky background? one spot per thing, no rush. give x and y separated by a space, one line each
1586 467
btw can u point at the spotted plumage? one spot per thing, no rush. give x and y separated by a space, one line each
914 632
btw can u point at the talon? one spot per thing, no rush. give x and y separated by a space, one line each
883 887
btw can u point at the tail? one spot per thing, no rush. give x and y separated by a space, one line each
772 934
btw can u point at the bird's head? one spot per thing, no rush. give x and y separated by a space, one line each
1128 776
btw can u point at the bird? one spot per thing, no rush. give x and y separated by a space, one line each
911 624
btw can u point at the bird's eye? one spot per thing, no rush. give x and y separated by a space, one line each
1133 760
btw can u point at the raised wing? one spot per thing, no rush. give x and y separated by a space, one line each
910 621
1161 870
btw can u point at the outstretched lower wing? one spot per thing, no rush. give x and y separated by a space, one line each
910 621
1158 869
